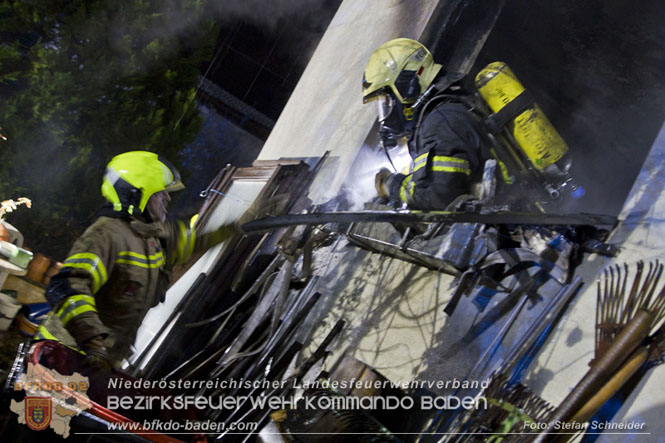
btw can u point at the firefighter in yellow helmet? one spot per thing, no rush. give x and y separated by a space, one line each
120 267
445 141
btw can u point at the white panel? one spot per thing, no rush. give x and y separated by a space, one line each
239 197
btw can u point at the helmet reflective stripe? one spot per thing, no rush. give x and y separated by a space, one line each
133 177
403 66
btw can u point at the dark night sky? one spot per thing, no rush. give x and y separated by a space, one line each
261 55
259 59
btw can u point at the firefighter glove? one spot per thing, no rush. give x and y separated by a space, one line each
98 359
382 183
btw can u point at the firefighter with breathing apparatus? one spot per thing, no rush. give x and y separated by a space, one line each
121 266
444 139
449 137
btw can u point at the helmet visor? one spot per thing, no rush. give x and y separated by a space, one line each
385 105
172 180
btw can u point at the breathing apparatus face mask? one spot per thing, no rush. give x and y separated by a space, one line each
392 121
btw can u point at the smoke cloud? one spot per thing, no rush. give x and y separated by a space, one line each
359 187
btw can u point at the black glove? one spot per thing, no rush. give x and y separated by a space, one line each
382 183
97 356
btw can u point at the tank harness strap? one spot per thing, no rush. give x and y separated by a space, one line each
518 105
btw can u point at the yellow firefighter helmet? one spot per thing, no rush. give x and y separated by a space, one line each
404 66
131 178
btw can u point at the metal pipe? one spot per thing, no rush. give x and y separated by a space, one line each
408 216
255 286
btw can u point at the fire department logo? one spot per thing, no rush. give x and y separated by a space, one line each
38 412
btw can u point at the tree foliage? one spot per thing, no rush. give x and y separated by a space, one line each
82 81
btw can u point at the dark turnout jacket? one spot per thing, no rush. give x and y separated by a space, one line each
116 271
448 151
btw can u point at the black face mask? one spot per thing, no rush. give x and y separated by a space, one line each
392 120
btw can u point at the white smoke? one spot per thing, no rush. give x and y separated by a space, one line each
359 188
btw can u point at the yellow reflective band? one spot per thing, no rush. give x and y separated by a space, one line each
418 166
87 298
504 173
152 257
95 262
133 258
149 265
78 311
74 304
192 240
444 158
504 169
419 162
450 169
444 163
75 300
406 195
43 334
88 267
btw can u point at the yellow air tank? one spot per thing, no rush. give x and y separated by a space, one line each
541 143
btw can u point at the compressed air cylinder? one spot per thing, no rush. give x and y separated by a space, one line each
536 136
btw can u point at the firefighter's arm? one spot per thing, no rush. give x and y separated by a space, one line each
71 292
182 240
448 151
